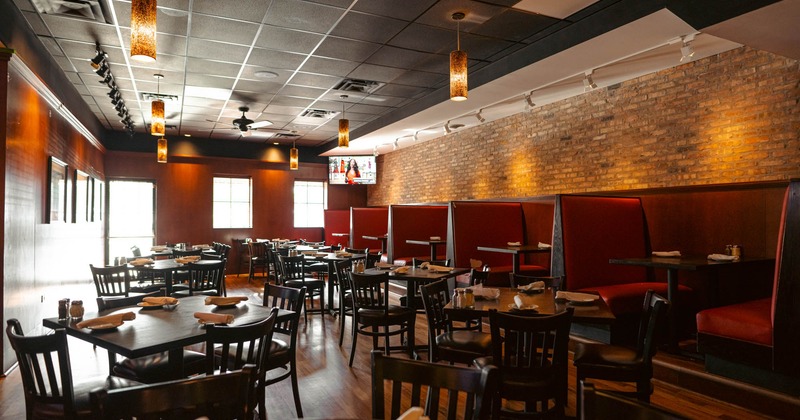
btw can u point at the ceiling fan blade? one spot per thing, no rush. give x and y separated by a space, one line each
260 124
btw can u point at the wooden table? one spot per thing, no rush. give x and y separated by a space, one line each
595 313
167 268
515 252
331 258
416 276
158 330
672 265
432 243
382 239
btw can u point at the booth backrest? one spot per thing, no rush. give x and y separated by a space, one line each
368 221
482 223
786 293
336 221
538 221
414 222
590 230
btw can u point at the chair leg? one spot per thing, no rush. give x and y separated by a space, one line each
296 390
355 338
305 311
262 403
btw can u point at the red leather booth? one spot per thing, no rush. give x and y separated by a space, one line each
337 221
368 221
415 222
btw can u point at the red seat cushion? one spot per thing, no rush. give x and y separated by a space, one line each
749 321
625 299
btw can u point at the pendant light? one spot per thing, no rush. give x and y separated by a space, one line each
158 122
458 65
294 161
143 30
161 152
344 128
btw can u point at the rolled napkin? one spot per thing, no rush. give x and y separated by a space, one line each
514 244
187 259
207 318
439 268
160 300
424 265
222 301
485 292
666 253
576 296
383 265
537 285
521 302
202 246
115 319
310 253
723 257
158 248
544 245
436 238
343 254
401 270
141 261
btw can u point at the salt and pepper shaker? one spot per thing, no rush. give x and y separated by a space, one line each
469 299
76 310
63 307
456 299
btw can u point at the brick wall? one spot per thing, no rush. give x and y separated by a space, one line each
734 117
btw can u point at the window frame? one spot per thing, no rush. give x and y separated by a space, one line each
231 201
306 202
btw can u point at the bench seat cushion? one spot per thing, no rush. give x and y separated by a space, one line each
627 299
748 321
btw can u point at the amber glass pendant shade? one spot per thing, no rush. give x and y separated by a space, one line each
143 30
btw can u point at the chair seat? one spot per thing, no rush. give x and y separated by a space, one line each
517 387
278 353
81 390
465 341
395 315
155 368
605 355
316 267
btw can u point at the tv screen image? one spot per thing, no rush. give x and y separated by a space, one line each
351 170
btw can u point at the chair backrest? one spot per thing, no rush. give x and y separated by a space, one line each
654 312
207 256
215 396
186 252
258 249
206 277
478 276
522 280
106 303
222 249
597 404
287 298
369 291
111 281
444 263
582 246
434 298
45 369
356 250
274 260
475 386
372 260
135 251
533 349
293 267
342 270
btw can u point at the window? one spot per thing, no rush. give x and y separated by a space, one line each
131 217
232 203
310 200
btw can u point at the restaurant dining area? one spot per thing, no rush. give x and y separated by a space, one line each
305 209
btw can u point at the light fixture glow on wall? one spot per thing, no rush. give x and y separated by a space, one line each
344 128
588 82
458 65
158 122
161 153
687 51
294 159
143 30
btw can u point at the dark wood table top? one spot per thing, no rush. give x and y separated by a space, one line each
425 241
597 312
157 330
691 263
376 237
416 273
522 249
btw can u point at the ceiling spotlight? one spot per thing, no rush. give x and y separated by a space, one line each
687 51
108 79
396 144
447 129
99 58
375 151
529 104
588 82
102 71
479 116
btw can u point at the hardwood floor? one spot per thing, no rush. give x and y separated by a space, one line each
330 389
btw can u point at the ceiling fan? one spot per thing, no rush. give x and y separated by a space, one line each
246 125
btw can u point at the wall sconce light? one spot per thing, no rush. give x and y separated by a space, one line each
344 128
143 30
162 150
687 51
158 121
588 82
458 65
294 159
479 116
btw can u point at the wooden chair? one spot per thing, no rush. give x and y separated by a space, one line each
345 297
418 261
242 254
47 375
478 276
617 363
417 298
204 279
476 386
282 355
219 257
258 259
294 275
372 260
599 405
357 250
104 304
230 348
177 253
532 354
445 343
222 396
374 317
111 281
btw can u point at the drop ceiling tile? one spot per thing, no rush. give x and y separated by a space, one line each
220 51
52 46
275 59
209 81
302 15
212 68
424 38
81 30
364 27
302 92
284 110
328 66
65 64
421 79
293 101
285 39
262 87
166 63
478 47
405 10
408 59
402 91
37 24
440 15
283 75
376 73
514 25
223 30
369 109
315 80
166 23
246 10
203 102
346 49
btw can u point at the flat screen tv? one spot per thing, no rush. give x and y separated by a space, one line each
351 170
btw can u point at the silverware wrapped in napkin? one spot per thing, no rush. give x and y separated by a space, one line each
208 318
669 254
723 257
222 301
116 319
160 300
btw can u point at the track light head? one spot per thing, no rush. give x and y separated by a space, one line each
375 151
480 117
98 58
588 82
447 128
687 51
102 70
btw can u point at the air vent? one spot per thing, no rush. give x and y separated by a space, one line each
150 96
360 86
87 10
318 113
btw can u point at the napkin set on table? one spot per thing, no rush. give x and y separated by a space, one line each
438 268
723 257
115 319
481 292
141 261
544 245
585 297
207 318
530 287
187 259
401 270
160 300
669 254
514 243
222 301
523 302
